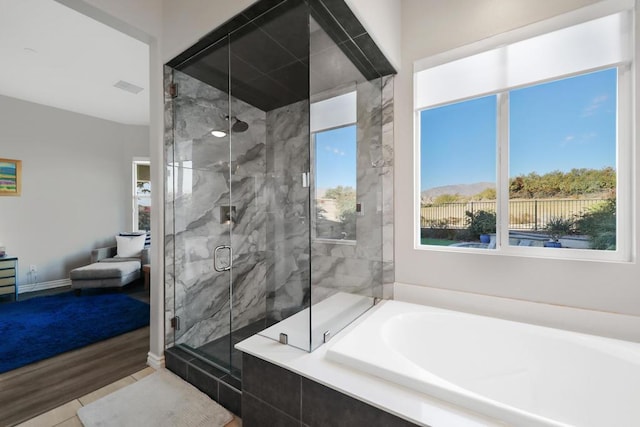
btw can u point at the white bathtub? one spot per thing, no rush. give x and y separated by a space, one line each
522 374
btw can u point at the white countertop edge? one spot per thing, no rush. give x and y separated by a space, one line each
413 406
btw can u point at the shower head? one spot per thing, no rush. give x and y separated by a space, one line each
239 125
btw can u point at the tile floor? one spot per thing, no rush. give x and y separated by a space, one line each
65 415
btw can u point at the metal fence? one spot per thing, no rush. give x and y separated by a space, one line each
523 214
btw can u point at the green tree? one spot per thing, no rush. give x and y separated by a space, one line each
446 198
480 222
599 223
575 183
486 194
345 198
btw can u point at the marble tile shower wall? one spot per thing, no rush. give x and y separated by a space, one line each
363 268
198 185
288 289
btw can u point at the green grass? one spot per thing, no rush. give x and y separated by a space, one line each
436 242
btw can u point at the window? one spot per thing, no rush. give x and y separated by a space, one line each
335 183
141 196
524 148
334 168
458 173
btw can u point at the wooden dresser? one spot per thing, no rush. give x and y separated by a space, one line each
9 276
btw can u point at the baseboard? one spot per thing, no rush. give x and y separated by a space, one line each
156 362
41 286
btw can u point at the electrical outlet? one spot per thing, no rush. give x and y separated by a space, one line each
33 268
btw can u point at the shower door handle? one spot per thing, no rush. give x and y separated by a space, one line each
226 261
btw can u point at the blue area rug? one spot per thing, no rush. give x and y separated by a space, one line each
43 327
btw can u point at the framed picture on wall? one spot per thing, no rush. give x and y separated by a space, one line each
10 178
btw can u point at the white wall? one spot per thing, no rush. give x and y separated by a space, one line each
141 19
433 26
186 21
383 20
76 187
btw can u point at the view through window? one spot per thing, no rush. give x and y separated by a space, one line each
335 183
142 196
562 180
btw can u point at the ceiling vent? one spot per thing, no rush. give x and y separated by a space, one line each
129 87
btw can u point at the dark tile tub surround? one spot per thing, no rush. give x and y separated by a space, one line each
274 396
215 383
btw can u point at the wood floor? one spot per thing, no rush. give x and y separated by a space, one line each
34 389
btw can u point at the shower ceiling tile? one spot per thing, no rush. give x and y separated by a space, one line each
256 48
289 29
342 14
264 93
325 20
270 55
295 77
243 72
209 74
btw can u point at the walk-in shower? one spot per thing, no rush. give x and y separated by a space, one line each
275 224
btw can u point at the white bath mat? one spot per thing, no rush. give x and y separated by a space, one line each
160 399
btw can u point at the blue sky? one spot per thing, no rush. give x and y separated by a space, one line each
336 158
561 125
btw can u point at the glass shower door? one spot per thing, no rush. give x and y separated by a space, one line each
203 213
269 85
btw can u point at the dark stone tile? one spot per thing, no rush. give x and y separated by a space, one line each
264 92
179 352
249 330
202 381
230 398
218 351
341 13
262 52
322 406
259 414
177 360
207 368
259 8
375 56
295 77
272 384
232 381
288 25
323 17
355 55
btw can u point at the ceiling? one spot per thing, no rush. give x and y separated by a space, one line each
55 56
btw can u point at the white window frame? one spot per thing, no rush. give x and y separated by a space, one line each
625 224
134 199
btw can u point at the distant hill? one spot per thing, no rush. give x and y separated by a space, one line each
466 190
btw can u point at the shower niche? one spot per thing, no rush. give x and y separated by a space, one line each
261 234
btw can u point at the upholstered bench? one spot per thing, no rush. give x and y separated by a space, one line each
109 268
109 273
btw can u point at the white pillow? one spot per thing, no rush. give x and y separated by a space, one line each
130 246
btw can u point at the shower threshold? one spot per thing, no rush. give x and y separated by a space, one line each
222 353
